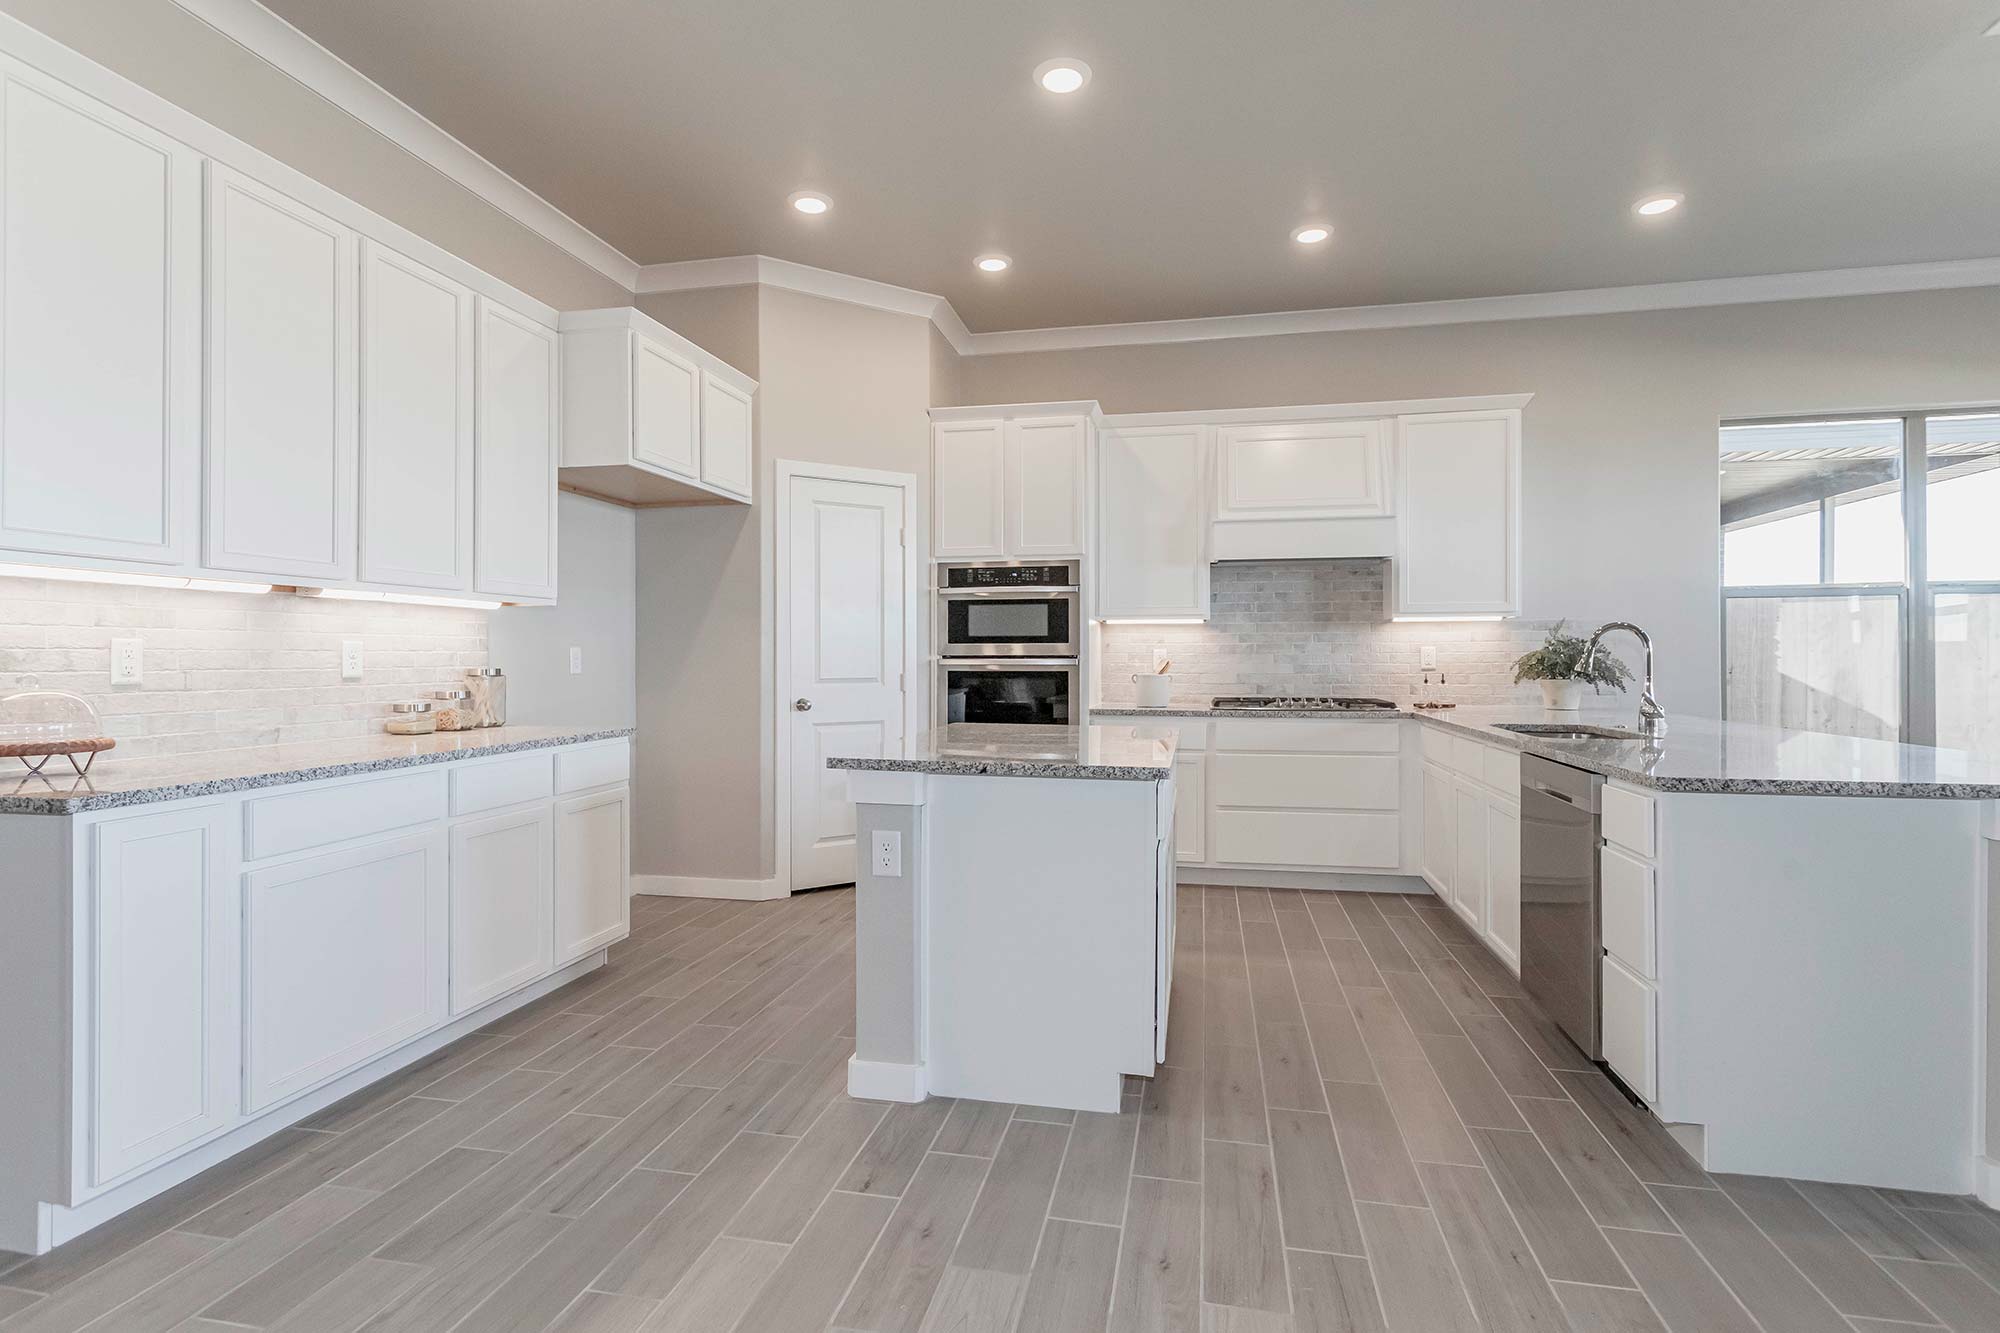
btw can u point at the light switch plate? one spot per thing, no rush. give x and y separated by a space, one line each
576 661
128 661
1427 658
350 659
888 853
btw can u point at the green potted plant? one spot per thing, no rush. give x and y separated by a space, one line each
1558 665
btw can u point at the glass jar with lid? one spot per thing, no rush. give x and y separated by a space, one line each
452 710
36 724
415 718
487 688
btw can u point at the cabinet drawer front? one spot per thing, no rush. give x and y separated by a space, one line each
1628 820
593 766
1437 744
477 787
1194 735
1501 770
1468 757
1305 838
1308 735
1629 1027
1307 781
1627 913
300 821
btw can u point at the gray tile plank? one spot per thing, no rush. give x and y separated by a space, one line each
718 1120
1488 972
1240 1319
1170 1125
13 1300
1384 1029
1559 1228
1474 1092
1313 974
1684 1290
1609 1190
1607 1309
582 1181
1384 949
1291 1074
1334 1293
1974 1237
1422 942
639 1084
449 1294
1849 1279
1424 1113
1314 1201
1233 1095
597 1035
1337 1044
821 1081
972 1300
451 1228
789 1196
1420 1003
1228 1014
1378 1162
1158 1286
1954 1294
1495 1263
1460 993
894 1152
1006 1222
1351 962
974 1128
595 1312
1519 1070
399 1160
350 1300
897 1283
1775 1292
1243 1246
1549 1043
1328 917
1871 1222
569 1090
659 1255
719 1288
1413 1271
1070 1289
1638 1138
803 1294
113 1283
1097 1168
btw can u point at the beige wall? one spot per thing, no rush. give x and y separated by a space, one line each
598 556
947 379
164 49
1619 477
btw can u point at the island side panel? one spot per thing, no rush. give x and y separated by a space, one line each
34 1032
888 1059
1818 985
1989 1167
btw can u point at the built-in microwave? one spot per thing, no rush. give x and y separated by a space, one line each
1007 609
1021 690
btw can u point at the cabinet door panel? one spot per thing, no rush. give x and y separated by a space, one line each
1045 485
726 448
1308 781
1191 808
1440 830
1152 523
968 484
416 424
1503 880
1301 469
345 957
502 905
1458 514
593 882
280 452
100 322
1627 1035
514 528
1468 880
666 408
163 987
1308 839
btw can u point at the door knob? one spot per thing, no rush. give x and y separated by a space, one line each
802 705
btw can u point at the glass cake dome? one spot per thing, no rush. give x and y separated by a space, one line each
36 723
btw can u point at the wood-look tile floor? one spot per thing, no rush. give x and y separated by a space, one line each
1362 1125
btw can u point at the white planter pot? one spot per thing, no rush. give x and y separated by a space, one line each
1564 695
1153 690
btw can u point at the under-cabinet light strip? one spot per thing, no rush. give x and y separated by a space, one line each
401 598
68 575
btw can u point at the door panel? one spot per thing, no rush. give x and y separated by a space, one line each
666 408
593 889
1468 881
1152 523
968 490
1301 469
1440 829
1191 808
1458 514
726 440
515 479
1045 486
1503 883
100 322
846 584
502 905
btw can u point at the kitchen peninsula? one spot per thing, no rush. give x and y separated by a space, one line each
1015 919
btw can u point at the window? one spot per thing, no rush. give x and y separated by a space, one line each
1852 601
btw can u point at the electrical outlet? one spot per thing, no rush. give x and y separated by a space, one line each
1427 658
128 661
350 659
888 859
576 661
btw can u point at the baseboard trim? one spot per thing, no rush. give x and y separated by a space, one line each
699 886
1986 1182
873 1080
1349 881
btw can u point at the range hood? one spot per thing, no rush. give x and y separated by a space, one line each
1371 538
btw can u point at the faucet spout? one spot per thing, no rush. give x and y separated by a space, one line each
1652 717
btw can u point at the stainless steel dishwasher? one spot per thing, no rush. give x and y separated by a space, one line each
1561 951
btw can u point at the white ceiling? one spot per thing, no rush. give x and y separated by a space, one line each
1458 149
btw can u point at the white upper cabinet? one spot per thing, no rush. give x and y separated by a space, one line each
1302 469
725 434
100 322
416 424
968 490
282 343
649 418
1010 481
1152 522
514 480
1458 537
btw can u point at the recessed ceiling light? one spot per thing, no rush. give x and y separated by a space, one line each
1312 233
811 202
1062 75
1654 205
993 263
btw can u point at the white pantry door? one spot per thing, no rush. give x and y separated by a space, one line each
844 683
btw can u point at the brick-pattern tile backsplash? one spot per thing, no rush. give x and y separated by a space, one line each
1318 627
230 669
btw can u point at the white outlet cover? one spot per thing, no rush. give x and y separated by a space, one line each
887 849
1427 658
576 661
128 661
350 659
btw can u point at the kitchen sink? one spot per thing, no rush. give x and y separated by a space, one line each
1570 731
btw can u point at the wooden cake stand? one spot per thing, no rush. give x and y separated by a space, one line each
36 754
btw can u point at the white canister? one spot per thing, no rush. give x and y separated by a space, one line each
1153 690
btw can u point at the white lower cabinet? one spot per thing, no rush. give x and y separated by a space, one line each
1440 854
1470 873
1627 1028
592 890
1190 807
346 956
502 905
161 1049
1628 878
1503 881
1472 835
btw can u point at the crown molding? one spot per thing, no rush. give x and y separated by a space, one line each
282 46
764 271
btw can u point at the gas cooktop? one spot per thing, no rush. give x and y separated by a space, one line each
1319 703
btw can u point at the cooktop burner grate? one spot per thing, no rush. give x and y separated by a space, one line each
1328 703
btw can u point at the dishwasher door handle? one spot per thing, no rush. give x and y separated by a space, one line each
1551 791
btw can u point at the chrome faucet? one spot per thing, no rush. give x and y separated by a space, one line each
1652 717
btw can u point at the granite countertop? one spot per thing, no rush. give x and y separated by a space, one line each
115 782
1209 710
988 749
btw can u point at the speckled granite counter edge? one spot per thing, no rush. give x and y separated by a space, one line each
1010 768
57 803
1316 714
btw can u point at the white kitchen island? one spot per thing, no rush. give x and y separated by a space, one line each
1014 914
